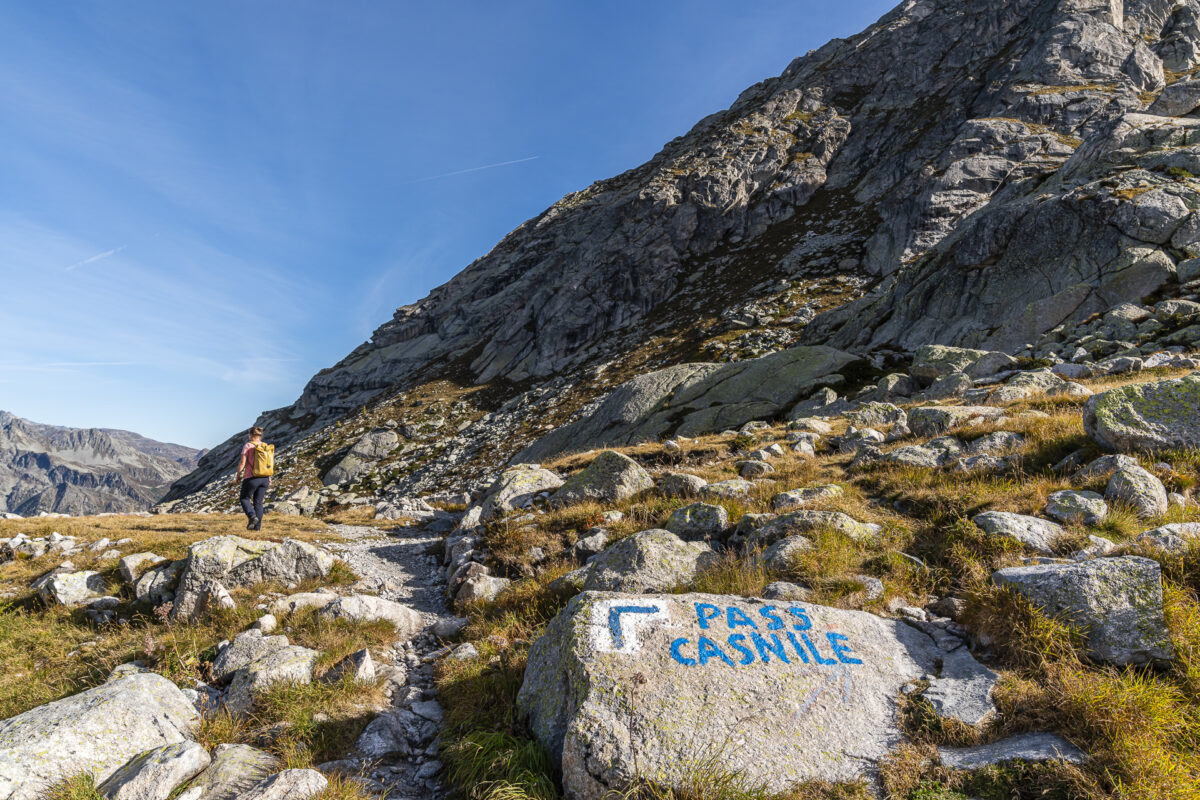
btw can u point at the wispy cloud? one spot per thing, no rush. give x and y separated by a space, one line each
97 257
61 365
473 169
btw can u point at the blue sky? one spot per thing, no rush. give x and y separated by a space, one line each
205 203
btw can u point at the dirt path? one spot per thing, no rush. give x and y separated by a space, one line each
404 564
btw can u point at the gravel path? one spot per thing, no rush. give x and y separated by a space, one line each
405 565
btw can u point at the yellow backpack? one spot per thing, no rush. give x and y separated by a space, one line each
264 460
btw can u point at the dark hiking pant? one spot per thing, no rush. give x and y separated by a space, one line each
253 490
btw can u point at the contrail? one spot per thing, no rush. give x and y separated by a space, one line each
97 257
471 169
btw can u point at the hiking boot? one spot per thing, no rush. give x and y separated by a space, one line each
257 525
250 525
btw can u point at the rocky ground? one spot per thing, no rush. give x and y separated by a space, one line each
988 592
283 654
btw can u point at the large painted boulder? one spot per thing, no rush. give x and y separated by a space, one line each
624 686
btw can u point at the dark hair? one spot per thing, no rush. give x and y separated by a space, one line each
256 431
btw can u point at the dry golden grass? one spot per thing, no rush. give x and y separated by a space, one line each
168 535
50 652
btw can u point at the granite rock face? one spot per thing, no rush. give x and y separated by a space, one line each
697 398
959 212
96 731
675 678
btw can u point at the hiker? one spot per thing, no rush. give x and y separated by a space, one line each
255 469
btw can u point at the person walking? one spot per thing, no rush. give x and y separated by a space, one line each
254 470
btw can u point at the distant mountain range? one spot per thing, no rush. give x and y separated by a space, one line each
84 470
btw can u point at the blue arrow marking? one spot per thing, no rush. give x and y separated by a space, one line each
614 621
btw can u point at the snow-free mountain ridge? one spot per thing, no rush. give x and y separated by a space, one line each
967 173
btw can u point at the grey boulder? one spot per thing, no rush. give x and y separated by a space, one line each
96 731
291 784
649 561
963 689
1033 532
1071 507
245 648
234 561
480 589
72 588
801 498
516 488
367 608
804 521
1031 747
932 361
609 478
1134 485
156 773
698 521
376 444
681 484
132 566
1117 601
235 768
1146 416
1175 537
781 555
291 664
935 420
727 490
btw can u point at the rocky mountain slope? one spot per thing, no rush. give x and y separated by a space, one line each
963 173
46 468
